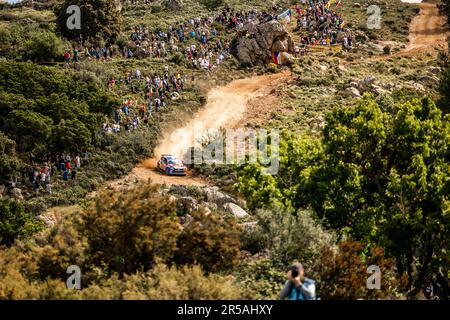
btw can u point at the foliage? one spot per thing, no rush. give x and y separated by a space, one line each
130 230
342 275
43 47
72 136
41 105
260 279
288 237
9 161
29 129
444 103
99 18
15 222
297 154
209 240
382 178
213 4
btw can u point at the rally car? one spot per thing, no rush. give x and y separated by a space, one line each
172 166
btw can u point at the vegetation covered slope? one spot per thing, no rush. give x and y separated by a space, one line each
362 181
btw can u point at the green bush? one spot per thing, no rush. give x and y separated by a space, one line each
43 47
342 274
15 223
130 230
288 237
209 240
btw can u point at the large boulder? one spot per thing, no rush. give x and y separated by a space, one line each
174 5
213 195
265 39
235 210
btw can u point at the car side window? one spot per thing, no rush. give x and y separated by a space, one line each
165 161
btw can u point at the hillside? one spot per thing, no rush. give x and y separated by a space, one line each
353 120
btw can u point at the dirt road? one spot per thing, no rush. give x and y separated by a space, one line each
427 30
227 107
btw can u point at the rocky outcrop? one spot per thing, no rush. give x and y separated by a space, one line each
213 195
235 210
174 5
260 41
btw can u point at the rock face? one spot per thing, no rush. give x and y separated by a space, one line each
264 40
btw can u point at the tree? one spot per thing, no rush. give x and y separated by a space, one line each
9 161
43 46
209 240
71 136
99 18
385 180
15 222
342 274
289 237
379 176
297 155
130 230
29 129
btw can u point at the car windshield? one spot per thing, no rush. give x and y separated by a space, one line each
175 161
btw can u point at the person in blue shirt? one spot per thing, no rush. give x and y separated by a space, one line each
297 286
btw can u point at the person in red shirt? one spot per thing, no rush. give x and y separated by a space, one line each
68 166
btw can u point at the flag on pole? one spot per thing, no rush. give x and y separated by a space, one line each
277 58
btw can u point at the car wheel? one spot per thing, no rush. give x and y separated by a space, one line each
167 172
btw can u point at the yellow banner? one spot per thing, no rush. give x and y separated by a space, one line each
334 47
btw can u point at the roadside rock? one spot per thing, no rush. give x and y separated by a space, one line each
186 204
213 195
353 92
49 219
234 209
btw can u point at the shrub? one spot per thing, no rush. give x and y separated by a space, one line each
185 283
288 237
209 240
15 222
130 230
43 47
212 4
342 275
260 280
